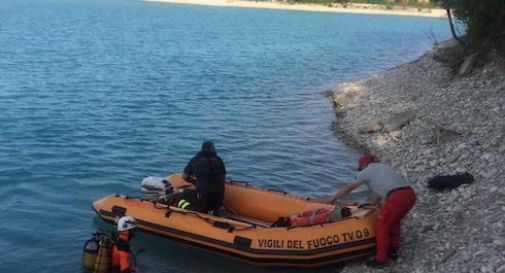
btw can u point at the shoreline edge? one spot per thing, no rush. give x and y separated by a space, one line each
278 5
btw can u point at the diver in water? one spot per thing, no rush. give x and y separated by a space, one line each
121 252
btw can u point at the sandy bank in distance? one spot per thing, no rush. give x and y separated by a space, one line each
351 8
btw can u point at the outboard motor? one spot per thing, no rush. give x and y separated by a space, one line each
156 188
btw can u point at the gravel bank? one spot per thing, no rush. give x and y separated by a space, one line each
453 124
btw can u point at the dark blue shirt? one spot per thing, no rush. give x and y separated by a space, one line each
209 170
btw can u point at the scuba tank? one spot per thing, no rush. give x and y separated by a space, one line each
103 258
90 252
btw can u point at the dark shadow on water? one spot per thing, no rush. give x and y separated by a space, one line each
164 255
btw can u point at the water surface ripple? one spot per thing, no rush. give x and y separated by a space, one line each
95 95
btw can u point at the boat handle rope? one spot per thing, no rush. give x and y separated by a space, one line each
276 190
246 184
157 205
212 222
169 211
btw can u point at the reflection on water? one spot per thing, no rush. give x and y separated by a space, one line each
95 95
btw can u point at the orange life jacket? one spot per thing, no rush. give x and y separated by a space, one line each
311 217
121 254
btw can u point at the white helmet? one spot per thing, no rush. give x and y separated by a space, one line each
126 223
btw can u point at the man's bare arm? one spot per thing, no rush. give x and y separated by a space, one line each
343 192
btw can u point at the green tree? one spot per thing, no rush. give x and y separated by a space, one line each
447 4
485 20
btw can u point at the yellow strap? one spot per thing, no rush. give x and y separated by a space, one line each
183 204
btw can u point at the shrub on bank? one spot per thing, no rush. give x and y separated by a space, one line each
485 21
387 3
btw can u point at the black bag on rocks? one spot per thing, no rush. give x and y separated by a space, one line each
440 182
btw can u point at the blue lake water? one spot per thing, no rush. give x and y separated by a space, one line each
95 95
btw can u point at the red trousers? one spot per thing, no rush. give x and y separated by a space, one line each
387 229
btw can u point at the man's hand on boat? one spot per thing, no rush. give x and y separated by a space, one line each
330 200
344 191
189 178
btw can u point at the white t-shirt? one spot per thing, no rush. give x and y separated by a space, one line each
380 178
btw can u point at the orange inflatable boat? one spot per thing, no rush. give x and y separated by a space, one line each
245 229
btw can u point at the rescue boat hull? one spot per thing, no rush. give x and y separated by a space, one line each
256 243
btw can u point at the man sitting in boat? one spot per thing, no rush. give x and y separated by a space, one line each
207 172
399 198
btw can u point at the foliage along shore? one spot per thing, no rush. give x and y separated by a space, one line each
385 3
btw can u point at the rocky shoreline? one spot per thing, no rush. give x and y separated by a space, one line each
424 120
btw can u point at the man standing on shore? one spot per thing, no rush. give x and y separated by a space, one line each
399 199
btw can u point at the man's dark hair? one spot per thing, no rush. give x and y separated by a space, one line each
208 146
